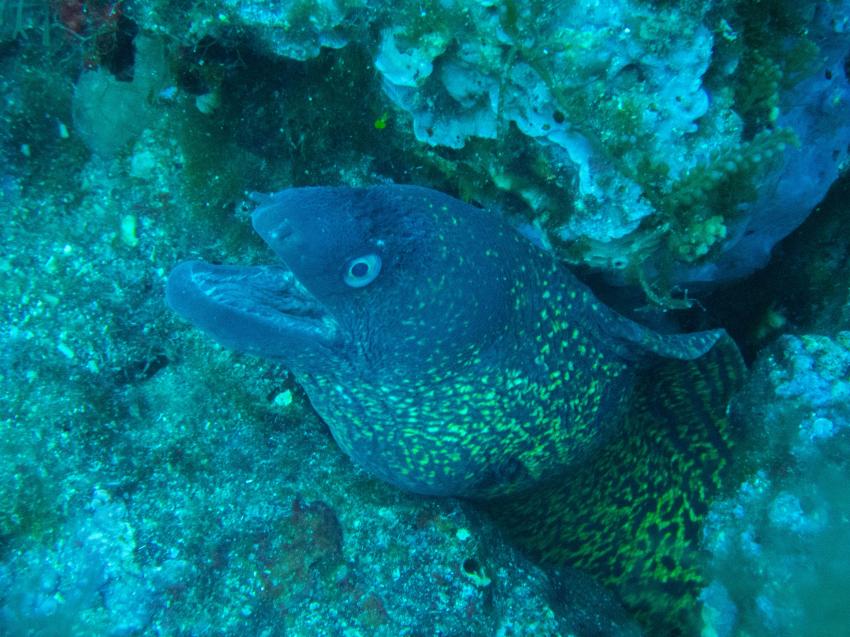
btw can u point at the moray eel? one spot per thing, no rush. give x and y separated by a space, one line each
450 356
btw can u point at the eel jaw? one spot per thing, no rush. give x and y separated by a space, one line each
262 310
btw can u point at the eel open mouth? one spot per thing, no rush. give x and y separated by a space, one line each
258 309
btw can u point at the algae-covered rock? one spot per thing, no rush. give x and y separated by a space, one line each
108 112
778 549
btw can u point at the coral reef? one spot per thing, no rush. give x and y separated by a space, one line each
623 134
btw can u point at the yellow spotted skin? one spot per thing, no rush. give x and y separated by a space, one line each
632 515
495 421
464 361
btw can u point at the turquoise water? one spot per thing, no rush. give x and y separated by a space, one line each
672 154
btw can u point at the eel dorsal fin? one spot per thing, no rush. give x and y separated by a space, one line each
634 341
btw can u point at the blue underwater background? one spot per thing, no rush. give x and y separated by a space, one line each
687 160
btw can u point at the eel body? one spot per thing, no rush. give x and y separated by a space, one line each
450 356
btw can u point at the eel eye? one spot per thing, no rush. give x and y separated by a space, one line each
361 271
